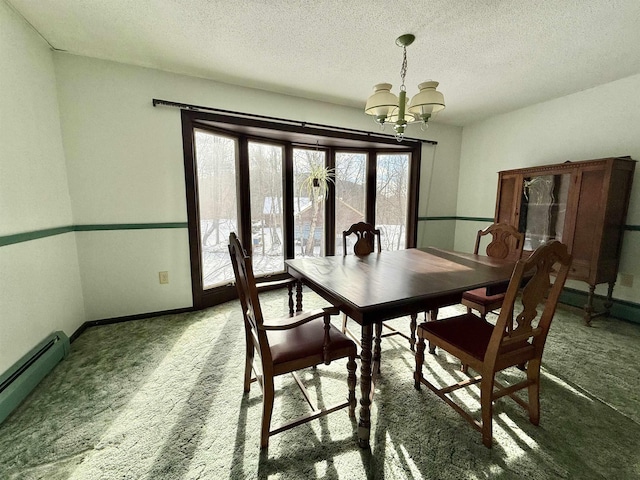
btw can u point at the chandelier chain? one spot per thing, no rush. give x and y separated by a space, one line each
403 69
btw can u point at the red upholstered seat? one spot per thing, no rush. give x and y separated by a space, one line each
306 340
480 295
466 332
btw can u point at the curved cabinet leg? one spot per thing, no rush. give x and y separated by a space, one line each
609 301
588 308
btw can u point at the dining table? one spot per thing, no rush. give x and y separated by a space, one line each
391 284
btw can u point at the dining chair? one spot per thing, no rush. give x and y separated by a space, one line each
367 237
286 345
506 243
514 340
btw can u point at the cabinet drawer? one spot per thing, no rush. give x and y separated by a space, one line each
579 270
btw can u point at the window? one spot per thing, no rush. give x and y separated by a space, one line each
392 194
309 203
256 178
351 193
267 219
217 200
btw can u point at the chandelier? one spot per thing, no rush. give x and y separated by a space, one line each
385 107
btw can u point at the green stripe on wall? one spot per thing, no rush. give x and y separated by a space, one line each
28 236
48 232
128 226
629 228
472 219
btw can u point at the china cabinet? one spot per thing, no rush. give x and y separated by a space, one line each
582 204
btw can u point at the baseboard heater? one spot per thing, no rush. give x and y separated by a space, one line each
17 382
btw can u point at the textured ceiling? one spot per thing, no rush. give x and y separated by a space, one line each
490 57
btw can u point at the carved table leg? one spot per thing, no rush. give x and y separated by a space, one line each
290 288
588 308
299 297
377 349
412 337
433 316
364 423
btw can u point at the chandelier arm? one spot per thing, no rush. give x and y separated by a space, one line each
389 109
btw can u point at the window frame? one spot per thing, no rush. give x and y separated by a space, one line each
288 135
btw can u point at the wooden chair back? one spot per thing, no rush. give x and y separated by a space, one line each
367 236
517 339
522 327
248 295
506 242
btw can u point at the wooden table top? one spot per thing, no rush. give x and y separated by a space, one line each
396 283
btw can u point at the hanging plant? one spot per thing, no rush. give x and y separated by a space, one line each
317 182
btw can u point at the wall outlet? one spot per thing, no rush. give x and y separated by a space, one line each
626 280
164 277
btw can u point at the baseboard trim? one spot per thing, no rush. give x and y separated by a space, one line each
127 318
24 375
621 309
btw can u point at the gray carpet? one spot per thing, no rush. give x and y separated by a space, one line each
162 399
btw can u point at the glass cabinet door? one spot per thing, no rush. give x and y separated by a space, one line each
544 206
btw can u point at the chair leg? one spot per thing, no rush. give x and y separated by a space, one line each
351 382
486 404
267 410
533 373
344 323
249 355
417 376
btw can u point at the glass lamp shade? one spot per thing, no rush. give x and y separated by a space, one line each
381 102
427 102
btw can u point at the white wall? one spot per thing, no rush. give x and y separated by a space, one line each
125 165
438 192
39 280
595 123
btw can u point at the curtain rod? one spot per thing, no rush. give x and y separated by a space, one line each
186 106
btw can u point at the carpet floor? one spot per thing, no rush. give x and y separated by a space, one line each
161 398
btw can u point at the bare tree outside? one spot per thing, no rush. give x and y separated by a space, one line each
216 168
265 178
392 189
216 160
350 180
309 202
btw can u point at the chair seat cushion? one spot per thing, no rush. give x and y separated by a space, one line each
479 296
466 332
306 340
